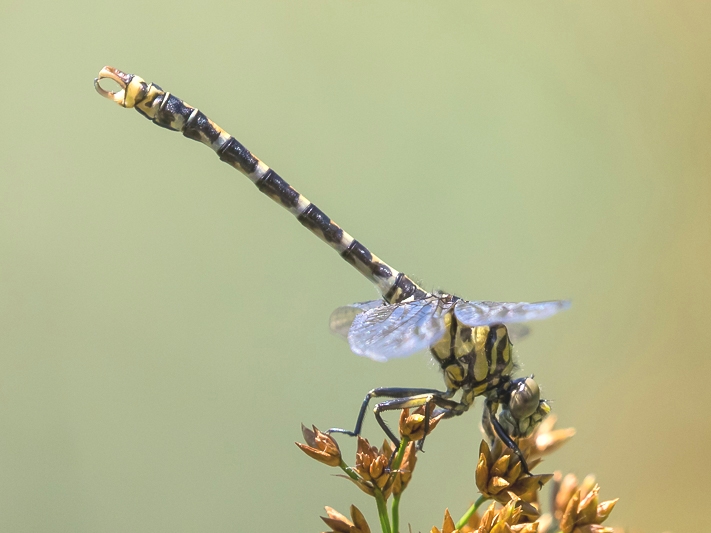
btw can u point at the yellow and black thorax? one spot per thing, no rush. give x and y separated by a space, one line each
474 359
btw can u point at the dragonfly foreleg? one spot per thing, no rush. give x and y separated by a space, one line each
501 433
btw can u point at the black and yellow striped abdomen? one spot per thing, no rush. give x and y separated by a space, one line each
170 112
474 359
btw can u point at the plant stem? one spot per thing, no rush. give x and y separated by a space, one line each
379 499
464 519
396 513
349 471
382 511
400 454
397 461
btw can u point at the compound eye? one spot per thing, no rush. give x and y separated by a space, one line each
525 398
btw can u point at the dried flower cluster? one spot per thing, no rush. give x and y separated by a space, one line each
412 426
340 524
376 471
510 518
320 446
545 439
373 468
576 506
384 473
499 475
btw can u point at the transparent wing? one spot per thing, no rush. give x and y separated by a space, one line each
342 318
475 314
398 330
518 332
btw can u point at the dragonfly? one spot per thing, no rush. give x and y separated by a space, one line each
470 340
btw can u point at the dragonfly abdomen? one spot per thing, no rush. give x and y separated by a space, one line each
169 111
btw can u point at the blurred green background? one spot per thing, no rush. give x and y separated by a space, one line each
164 326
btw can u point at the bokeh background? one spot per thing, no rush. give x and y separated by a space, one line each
163 326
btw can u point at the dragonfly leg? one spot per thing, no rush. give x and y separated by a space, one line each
386 392
448 407
505 438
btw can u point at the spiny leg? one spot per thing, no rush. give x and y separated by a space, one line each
386 392
449 407
505 438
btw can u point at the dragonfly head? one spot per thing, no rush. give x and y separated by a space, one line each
525 410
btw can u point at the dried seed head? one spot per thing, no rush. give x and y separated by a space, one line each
512 517
499 474
604 510
340 524
583 512
545 439
544 523
447 525
566 488
407 466
372 464
412 425
372 467
320 446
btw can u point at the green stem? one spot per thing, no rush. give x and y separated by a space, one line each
379 498
349 471
396 513
382 511
397 461
464 519
400 454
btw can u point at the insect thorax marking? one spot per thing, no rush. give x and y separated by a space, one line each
473 358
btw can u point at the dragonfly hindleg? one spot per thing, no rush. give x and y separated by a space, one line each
399 394
440 399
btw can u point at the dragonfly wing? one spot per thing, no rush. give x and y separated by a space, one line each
398 330
342 318
518 332
475 314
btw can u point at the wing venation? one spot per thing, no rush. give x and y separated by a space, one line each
342 318
483 313
398 330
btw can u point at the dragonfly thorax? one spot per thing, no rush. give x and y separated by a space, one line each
473 358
